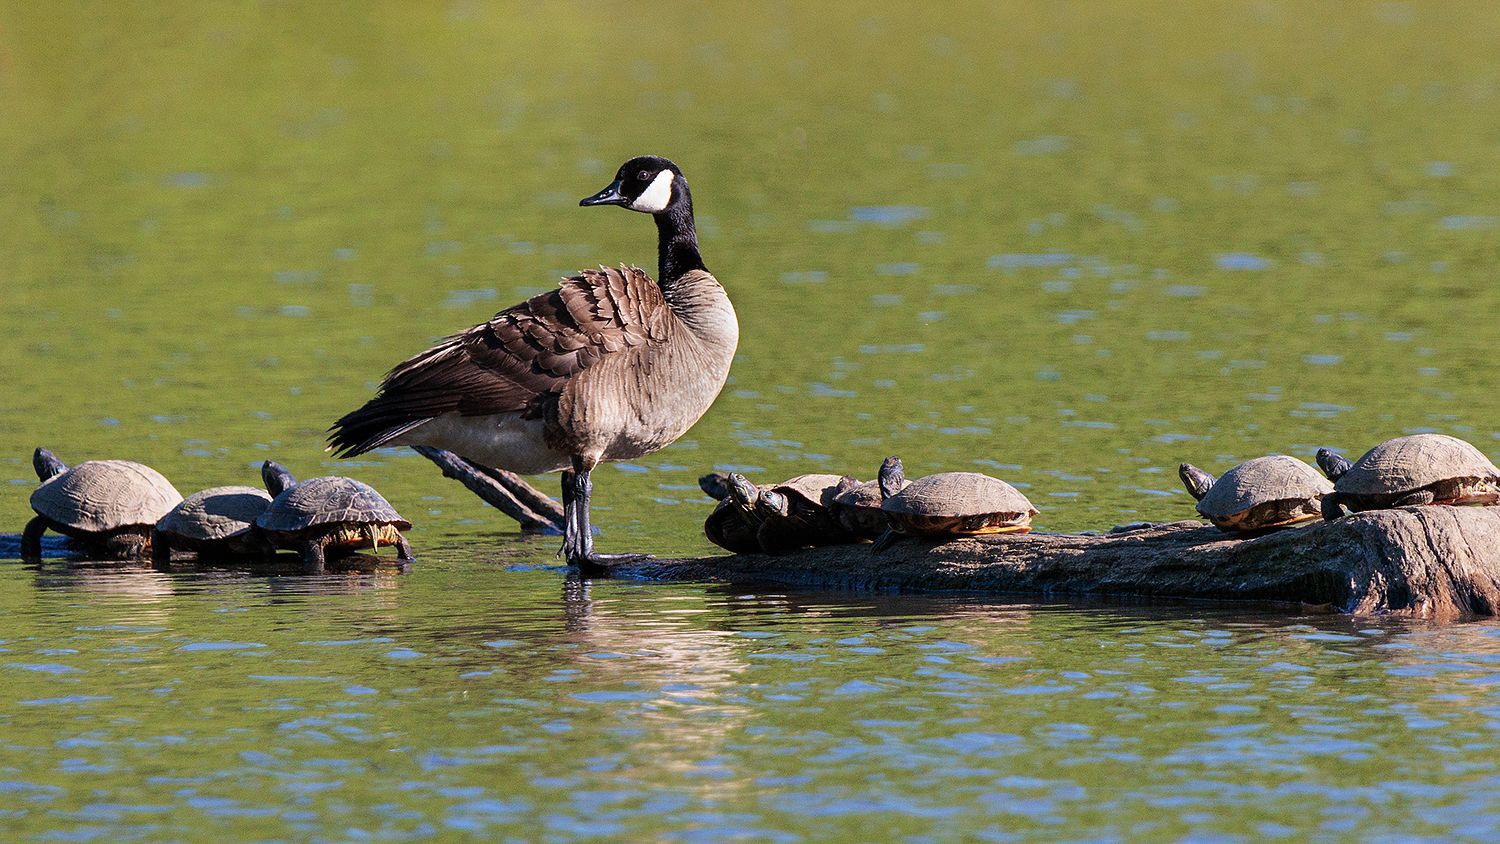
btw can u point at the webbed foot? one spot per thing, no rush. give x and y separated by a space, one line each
598 565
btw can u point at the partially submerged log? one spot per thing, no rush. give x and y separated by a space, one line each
505 491
1431 562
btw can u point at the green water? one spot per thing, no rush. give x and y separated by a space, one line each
1069 244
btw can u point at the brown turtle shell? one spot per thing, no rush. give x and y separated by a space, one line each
98 496
816 489
857 509
222 512
1410 463
1276 477
866 496
731 528
328 501
958 494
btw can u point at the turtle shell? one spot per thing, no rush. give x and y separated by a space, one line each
328 501
814 489
99 496
731 528
866 496
222 512
1410 463
1277 477
857 509
958 494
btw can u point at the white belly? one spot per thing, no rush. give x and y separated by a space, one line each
503 441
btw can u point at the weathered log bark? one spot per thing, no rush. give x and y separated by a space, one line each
1431 562
505 491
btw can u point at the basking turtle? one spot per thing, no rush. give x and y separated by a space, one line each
215 522
322 516
729 526
792 514
1262 494
109 506
950 504
856 506
1418 469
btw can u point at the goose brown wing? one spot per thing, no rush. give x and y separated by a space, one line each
522 356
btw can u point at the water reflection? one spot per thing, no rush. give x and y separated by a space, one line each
760 710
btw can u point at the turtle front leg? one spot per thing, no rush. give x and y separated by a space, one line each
264 547
885 540
31 539
1331 509
1421 496
161 550
403 549
313 560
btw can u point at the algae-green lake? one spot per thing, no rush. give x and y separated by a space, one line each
1069 244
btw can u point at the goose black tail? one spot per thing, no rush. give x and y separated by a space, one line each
381 420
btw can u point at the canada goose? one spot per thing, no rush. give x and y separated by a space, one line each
609 366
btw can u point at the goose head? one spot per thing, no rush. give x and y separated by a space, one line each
647 183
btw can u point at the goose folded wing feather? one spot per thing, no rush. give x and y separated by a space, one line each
532 349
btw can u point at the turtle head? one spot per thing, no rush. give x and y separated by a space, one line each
892 477
46 464
845 484
276 477
1197 481
744 493
772 503
715 485
1333 464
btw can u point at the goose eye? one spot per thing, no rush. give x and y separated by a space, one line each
644 175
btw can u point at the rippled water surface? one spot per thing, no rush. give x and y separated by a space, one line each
488 696
1070 245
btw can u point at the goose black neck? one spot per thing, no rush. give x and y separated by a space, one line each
677 238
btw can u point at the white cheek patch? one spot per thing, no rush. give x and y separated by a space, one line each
655 197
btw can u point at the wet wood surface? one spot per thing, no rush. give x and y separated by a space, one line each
1429 562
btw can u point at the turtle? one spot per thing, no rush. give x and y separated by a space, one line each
729 526
215 522
323 516
1416 469
109 506
792 514
856 506
949 504
1276 491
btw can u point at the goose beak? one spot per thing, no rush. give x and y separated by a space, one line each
609 196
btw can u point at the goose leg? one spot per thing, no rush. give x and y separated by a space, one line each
578 537
571 548
31 539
